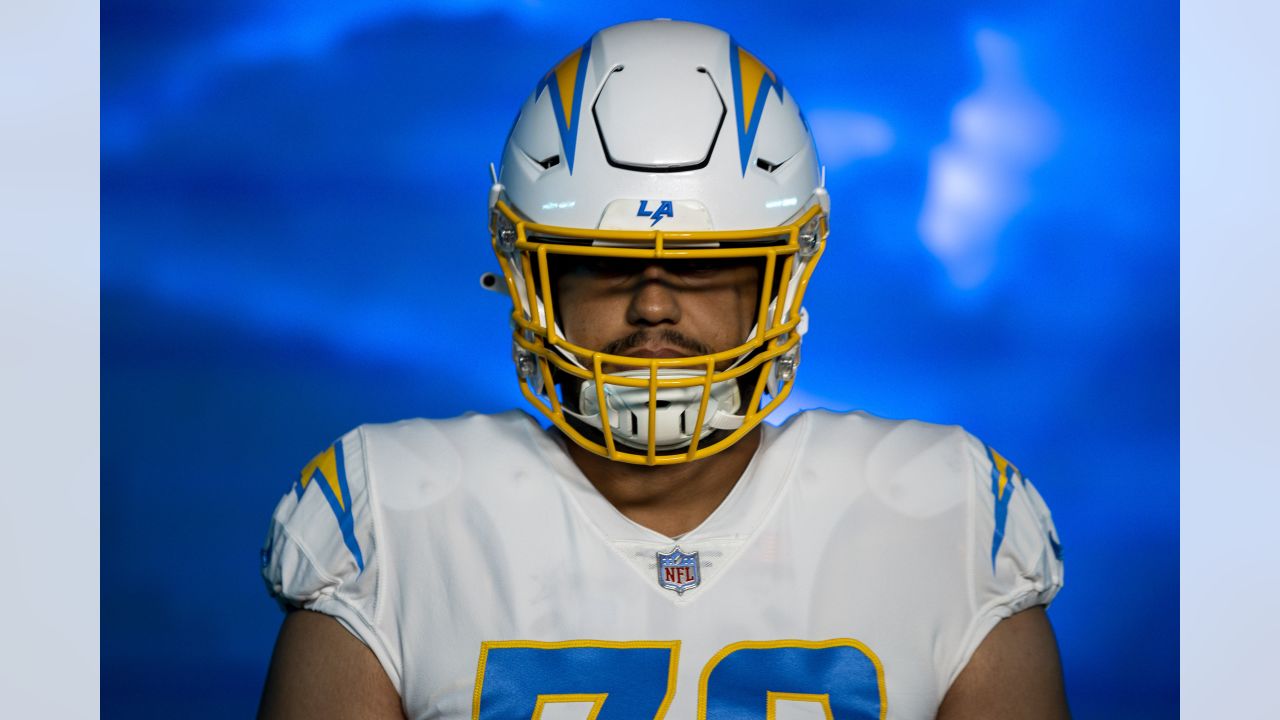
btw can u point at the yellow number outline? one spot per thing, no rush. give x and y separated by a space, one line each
596 700
824 699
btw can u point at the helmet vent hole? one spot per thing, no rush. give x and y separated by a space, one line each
635 424
767 166
549 162
702 70
662 404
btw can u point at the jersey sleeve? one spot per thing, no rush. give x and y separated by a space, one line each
321 549
1015 556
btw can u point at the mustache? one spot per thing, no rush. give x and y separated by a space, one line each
664 336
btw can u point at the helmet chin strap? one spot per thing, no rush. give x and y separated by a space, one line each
676 412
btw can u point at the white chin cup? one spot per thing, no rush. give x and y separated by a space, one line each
677 410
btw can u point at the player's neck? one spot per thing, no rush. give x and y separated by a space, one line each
669 499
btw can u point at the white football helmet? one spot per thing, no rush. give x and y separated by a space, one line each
658 140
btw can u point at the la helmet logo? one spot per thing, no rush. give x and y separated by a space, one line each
664 211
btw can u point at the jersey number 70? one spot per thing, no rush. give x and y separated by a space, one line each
637 680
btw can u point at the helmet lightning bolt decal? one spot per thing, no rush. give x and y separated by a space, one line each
751 84
566 80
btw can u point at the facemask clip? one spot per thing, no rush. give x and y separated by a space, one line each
809 238
784 367
504 234
526 365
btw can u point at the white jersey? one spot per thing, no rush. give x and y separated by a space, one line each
851 572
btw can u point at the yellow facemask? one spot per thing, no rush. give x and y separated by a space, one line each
657 411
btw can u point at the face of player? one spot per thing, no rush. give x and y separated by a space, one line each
657 310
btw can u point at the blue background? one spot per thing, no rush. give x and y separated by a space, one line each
293 223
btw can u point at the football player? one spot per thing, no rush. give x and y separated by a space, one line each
657 551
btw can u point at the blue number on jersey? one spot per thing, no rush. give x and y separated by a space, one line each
623 680
636 680
746 680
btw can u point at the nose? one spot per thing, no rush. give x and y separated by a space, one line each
653 301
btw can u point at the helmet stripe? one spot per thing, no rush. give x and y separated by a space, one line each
752 81
566 80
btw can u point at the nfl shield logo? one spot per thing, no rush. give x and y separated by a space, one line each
678 571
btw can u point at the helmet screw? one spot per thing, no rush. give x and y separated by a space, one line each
785 366
505 236
809 239
526 366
